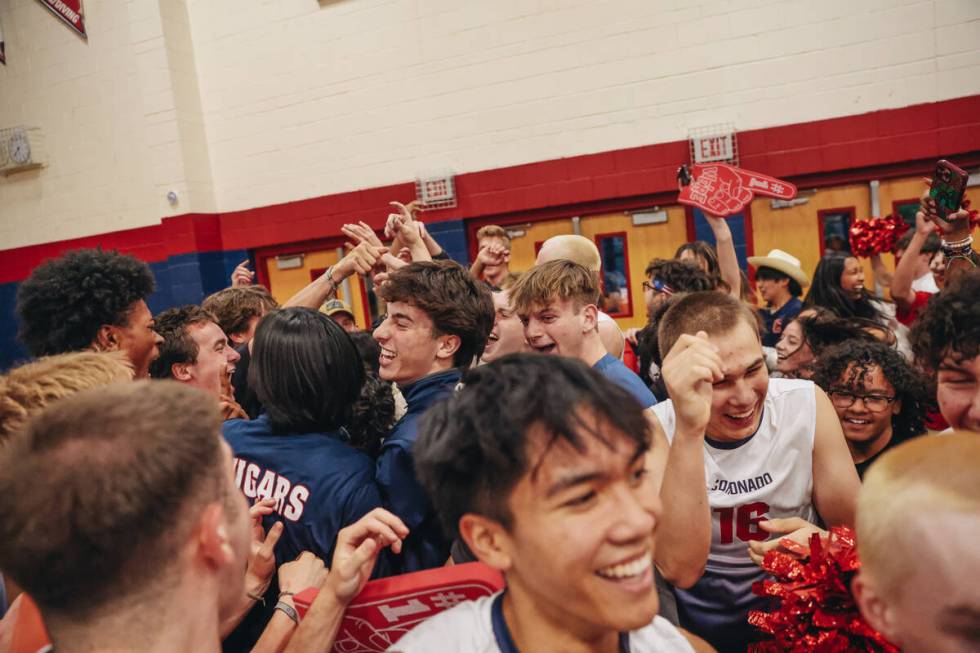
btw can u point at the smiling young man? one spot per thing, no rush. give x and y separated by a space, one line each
946 342
773 449
557 302
437 325
553 492
196 351
581 250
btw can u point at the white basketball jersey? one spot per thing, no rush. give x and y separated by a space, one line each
767 476
468 628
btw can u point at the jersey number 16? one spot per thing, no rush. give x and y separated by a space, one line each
743 522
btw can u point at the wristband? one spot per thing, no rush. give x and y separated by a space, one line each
957 248
289 611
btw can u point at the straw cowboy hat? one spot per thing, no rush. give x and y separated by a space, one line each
783 262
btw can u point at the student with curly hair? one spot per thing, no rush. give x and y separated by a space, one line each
89 299
667 277
946 342
880 399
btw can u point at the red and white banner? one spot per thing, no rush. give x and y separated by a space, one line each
69 11
721 189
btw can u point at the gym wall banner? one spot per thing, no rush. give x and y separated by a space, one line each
69 11
3 57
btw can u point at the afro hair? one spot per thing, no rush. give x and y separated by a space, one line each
65 301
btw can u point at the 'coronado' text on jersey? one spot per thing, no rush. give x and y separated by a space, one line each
745 485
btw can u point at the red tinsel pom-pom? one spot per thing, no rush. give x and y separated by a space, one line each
816 611
877 235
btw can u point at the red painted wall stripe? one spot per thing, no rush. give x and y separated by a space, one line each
885 143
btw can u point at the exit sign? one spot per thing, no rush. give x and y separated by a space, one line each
718 147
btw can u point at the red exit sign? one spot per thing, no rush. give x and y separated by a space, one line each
707 149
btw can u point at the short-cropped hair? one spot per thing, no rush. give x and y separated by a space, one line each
98 493
178 346
950 325
233 308
469 456
305 371
560 279
66 300
27 389
493 231
457 304
715 313
923 476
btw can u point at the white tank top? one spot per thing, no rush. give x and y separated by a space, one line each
767 476
469 628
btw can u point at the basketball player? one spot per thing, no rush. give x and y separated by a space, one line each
773 450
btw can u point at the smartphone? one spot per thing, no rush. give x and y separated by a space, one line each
948 187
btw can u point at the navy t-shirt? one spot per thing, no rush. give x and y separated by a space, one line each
614 370
776 322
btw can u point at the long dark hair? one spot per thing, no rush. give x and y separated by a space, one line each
305 370
827 292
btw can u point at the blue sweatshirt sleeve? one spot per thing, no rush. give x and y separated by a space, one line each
400 491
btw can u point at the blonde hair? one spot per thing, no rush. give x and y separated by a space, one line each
493 231
561 279
927 475
570 247
27 389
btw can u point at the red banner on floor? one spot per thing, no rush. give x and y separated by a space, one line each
70 11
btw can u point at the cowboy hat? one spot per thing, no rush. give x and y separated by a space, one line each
781 261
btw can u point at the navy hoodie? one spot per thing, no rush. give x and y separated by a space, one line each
426 546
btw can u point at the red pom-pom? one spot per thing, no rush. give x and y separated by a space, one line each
877 235
816 611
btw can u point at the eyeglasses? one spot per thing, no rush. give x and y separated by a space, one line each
874 403
658 286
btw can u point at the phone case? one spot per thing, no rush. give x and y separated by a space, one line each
948 187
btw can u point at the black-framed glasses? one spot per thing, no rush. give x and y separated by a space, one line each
658 286
874 403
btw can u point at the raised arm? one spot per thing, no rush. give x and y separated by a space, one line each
685 533
957 241
727 261
835 480
360 259
905 270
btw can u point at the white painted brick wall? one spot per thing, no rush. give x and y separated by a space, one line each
302 101
121 115
238 104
